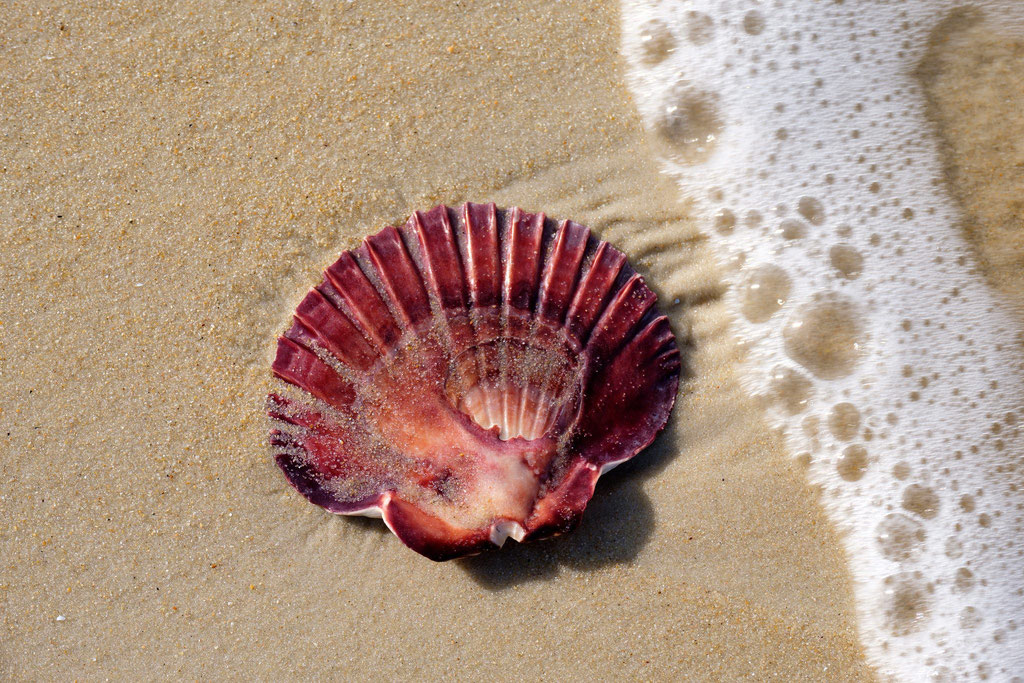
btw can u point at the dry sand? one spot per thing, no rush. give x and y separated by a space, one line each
172 179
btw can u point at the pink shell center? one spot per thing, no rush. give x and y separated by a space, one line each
517 387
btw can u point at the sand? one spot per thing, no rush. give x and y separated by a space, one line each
974 80
173 178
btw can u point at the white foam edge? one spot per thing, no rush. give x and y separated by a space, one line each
749 74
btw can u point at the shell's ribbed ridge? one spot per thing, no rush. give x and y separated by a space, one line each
469 375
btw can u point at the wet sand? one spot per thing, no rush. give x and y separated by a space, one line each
974 80
174 177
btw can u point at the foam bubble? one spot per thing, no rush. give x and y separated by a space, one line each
907 602
688 124
753 22
792 229
900 538
791 389
853 462
846 260
964 580
700 28
764 292
812 209
844 421
657 42
825 336
884 354
921 500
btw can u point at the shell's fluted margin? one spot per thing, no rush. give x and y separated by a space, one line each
469 376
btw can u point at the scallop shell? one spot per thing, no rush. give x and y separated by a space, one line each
469 376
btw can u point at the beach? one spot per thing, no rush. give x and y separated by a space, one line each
174 179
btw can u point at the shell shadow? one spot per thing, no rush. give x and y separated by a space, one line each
617 524
367 524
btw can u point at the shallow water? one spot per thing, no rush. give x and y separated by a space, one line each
891 366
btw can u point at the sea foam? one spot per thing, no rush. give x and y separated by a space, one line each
895 373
